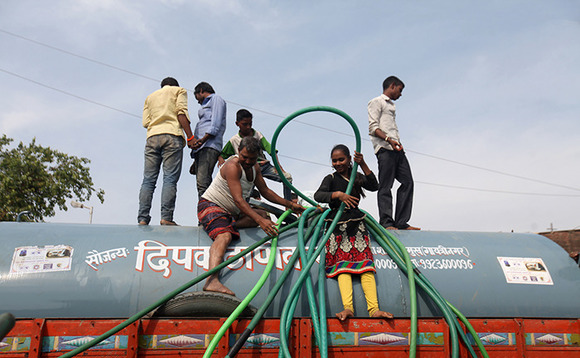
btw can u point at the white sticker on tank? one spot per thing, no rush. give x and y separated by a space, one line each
525 270
34 259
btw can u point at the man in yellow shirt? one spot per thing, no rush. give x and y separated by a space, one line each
166 118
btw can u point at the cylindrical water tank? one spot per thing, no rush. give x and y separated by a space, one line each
86 271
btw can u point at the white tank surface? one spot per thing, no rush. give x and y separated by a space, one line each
106 271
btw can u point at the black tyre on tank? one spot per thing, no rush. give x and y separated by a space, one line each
202 304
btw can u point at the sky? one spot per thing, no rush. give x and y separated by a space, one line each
489 118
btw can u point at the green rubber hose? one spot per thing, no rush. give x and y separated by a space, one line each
308 283
308 110
464 320
380 238
323 347
309 288
283 345
305 272
448 309
412 294
273 292
290 306
7 322
250 296
399 250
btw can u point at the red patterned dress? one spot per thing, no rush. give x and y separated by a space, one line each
348 249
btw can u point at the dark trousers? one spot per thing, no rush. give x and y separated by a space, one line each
205 161
394 165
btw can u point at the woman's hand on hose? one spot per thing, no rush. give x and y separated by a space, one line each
349 200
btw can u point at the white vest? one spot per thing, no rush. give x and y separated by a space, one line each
219 191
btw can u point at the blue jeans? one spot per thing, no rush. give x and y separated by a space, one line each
205 161
166 149
269 172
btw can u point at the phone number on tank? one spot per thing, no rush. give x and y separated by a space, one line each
429 264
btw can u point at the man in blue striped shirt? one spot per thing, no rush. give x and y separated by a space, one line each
208 133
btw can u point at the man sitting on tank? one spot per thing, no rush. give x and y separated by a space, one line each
223 208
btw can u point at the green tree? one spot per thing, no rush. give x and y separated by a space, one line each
38 179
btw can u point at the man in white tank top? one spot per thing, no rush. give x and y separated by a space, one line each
223 208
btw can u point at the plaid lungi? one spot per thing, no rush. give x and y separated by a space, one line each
215 220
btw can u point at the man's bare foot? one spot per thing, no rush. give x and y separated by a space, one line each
391 228
382 314
344 315
216 286
412 228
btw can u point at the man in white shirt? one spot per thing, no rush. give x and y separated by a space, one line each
393 163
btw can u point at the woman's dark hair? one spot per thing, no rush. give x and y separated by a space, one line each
358 179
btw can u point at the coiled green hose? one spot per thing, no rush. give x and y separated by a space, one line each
395 249
274 291
287 311
295 291
308 110
306 268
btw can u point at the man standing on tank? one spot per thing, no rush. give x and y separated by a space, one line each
393 163
209 133
166 118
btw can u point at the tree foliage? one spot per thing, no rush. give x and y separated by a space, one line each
38 179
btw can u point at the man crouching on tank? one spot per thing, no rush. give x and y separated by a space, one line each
223 208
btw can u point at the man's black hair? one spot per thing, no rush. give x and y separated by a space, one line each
392 80
169 81
243 113
203 87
